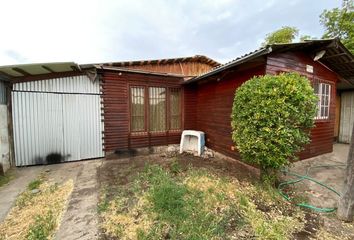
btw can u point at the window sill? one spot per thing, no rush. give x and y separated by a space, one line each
162 133
138 134
175 131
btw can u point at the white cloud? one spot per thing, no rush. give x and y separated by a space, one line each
110 30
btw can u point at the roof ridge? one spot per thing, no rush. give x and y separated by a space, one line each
201 58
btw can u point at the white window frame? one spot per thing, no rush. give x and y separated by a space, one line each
321 104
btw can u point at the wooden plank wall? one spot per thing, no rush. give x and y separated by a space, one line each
213 110
115 97
322 133
190 107
214 104
183 68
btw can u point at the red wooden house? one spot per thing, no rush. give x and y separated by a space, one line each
142 104
149 103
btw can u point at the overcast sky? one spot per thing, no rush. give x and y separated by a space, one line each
86 31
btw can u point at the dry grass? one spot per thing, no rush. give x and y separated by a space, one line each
127 224
209 206
22 221
268 221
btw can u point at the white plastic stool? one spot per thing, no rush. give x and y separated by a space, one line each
192 141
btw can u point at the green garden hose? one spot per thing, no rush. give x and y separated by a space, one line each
300 178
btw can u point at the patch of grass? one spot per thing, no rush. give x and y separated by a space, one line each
169 201
9 175
42 228
175 167
27 196
103 203
197 204
34 184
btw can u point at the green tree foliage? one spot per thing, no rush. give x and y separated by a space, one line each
271 117
283 35
339 22
306 37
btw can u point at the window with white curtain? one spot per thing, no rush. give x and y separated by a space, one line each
157 109
175 109
137 109
161 108
323 92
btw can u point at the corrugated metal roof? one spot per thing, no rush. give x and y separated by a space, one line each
75 84
337 57
196 58
235 62
138 71
23 70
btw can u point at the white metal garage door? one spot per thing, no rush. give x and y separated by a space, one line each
57 118
346 116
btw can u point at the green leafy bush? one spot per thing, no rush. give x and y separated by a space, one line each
271 119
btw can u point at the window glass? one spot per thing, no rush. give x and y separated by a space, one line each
137 95
157 109
323 90
175 109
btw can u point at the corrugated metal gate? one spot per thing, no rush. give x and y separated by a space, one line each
346 117
57 120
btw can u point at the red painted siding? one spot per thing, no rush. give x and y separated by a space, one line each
190 107
215 98
213 109
115 98
322 133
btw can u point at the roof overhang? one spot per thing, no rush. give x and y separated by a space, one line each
336 57
14 72
196 58
234 63
122 69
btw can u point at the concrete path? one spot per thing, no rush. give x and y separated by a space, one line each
10 191
80 221
332 173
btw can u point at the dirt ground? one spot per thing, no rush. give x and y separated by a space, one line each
119 169
328 169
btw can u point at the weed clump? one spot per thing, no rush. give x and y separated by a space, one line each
42 228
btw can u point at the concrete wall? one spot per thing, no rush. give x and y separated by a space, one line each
4 139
